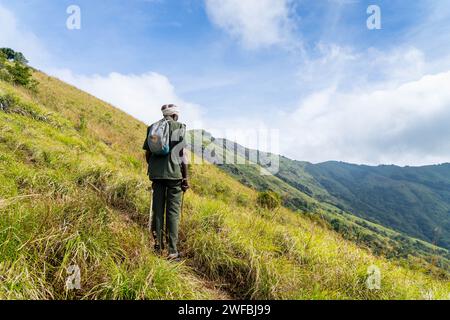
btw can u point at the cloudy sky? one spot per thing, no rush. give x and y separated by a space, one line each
310 69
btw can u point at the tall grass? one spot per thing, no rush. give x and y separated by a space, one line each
75 193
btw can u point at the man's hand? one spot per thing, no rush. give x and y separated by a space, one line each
184 185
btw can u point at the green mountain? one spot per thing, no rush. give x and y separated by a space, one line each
394 211
413 200
74 196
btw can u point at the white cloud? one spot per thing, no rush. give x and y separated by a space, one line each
403 125
345 68
364 107
139 95
13 36
368 107
256 23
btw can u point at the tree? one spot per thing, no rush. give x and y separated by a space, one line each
12 55
14 68
19 57
8 52
21 74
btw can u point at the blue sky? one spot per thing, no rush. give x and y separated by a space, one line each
310 69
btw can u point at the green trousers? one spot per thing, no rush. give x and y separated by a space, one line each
167 198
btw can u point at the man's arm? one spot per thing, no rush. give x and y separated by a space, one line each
184 171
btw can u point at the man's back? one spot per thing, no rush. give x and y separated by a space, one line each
168 166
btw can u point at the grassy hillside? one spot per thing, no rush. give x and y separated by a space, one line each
302 192
73 191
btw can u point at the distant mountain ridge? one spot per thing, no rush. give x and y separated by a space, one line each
412 200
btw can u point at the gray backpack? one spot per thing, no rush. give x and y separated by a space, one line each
159 138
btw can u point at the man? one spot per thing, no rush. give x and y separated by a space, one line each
169 176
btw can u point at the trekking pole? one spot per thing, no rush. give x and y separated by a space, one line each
151 212
182 205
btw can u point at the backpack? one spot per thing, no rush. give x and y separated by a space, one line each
159 138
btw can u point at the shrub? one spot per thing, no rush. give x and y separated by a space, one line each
4 74
269 200
2 60
12 104
220 189
7 102
242 199
21 75
82 126
14 68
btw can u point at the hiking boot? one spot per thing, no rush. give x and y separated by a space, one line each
176 257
